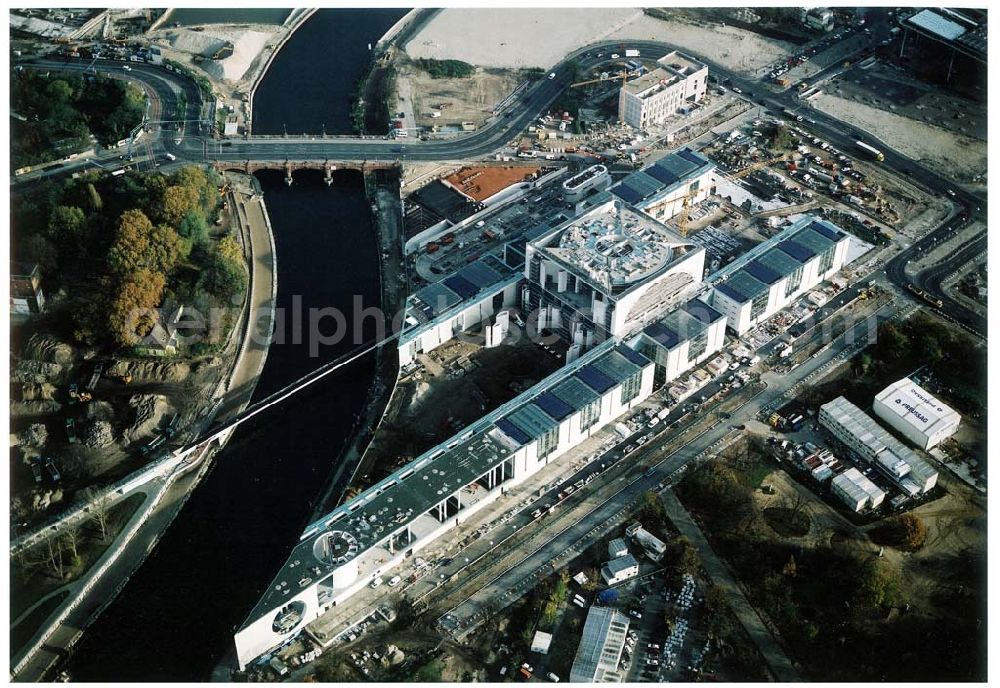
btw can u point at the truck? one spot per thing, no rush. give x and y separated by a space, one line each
622 430
632 53
870 150
786 352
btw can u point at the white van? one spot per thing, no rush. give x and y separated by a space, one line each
377 582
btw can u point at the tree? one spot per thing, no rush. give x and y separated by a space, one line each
193 227
912 531
878 585
99 503
66 224
132 313
178 201
165 249
130 252
223 277
55 558
230 250
71 536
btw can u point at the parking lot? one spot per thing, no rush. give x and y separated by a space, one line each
666 640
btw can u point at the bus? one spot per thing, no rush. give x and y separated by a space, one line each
872 151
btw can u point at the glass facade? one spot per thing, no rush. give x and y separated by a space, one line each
630 388
590 414
548 442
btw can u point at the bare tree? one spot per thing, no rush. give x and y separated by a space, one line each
72 538
55 558
100 506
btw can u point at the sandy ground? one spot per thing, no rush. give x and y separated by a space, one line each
958 157
247 45
542 37
471 99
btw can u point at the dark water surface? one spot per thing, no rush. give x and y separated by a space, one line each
174 619
190 16
324 60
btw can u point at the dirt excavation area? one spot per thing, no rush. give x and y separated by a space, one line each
96 418
959 157
527 37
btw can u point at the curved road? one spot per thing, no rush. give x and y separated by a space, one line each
192 144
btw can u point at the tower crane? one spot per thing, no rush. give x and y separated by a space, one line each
623 76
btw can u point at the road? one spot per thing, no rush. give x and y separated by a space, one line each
193 144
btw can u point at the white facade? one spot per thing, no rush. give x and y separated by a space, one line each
872 443
370 535
813 252
620 570
447 328
655 97
579 185
857 491
915 414
608 272
685 338
653 546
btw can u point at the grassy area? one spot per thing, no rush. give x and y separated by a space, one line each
33 575
22 632
445 69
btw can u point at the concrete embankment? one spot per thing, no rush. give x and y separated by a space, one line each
296 19
168 483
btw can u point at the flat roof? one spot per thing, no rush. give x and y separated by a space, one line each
466 284
664 175
685 323
642 85
742 286
613 246
601 643
937 24
481 183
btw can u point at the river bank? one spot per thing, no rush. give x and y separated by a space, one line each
167 490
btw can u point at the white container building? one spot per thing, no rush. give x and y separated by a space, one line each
915 414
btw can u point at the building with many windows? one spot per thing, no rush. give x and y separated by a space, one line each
810 252
859 432
373 533
683 339
664 188
677 82
601 646
607 273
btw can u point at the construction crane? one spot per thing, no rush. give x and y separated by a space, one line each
623 76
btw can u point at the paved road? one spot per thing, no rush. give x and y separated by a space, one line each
192 144
774 655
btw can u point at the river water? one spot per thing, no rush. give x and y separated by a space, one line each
174 619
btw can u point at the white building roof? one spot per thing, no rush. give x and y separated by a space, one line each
600 645
913 405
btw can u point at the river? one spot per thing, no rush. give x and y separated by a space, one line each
174 619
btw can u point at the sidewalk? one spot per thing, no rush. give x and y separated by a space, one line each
165 496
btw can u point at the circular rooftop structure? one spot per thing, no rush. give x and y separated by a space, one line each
335 547
625 252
